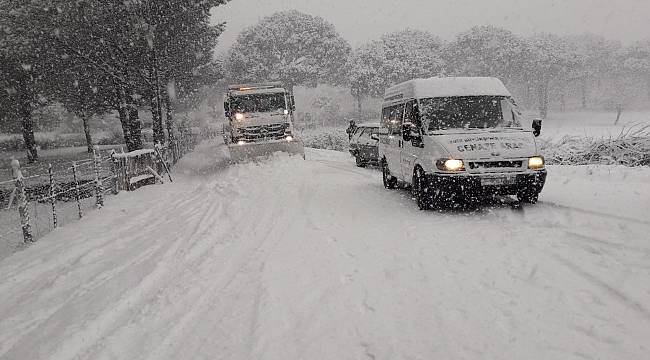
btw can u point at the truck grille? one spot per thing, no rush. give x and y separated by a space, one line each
476 165
264 132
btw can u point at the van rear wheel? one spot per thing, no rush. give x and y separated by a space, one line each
389 181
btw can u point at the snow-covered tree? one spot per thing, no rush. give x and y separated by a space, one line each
291 47
550 59
412 54
637 61
395 58
595 57
123 54
25 69
366 72
487 51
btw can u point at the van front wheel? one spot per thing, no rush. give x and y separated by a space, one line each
389 181
528 197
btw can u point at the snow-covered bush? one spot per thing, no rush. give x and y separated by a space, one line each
54 140
326 138
631 148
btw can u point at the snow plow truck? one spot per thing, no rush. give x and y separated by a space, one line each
259 121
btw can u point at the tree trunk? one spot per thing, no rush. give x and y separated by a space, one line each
28 127
89 139
169 110
542 96
583 92
135 127
359 107
125 119
529 91
156 101
619 111
158 132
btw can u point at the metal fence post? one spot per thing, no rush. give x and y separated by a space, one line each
99 186
22 202
52 196
76 187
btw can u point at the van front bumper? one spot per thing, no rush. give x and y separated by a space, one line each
472 185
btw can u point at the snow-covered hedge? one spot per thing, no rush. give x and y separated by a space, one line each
53 140
631 148
326 138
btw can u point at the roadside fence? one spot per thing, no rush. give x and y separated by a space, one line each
33 204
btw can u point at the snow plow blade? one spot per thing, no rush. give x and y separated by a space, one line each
250 151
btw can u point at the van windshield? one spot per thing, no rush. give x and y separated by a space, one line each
258 103
469 112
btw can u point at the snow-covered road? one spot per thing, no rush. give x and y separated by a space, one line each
293 259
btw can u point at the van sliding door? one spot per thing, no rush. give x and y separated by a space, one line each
395 142
410 153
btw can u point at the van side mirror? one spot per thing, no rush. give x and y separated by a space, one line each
410 133
537 127
374 137
226 108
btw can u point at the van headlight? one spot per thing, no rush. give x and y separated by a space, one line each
450 165
239 116
536 162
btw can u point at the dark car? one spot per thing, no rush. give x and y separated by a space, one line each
364 145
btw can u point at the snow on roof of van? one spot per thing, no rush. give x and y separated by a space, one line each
446 87
257 92
369 124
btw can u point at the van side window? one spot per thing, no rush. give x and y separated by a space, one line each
396 117
408 113
411 113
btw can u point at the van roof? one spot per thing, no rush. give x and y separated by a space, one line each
446 87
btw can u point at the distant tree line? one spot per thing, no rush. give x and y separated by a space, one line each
98 56
300 49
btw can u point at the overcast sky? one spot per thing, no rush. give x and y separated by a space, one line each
361 20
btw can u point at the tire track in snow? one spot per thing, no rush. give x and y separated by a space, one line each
615 293
596 213
246 263
125 272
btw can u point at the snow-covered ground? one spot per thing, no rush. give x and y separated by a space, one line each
597 124
294 259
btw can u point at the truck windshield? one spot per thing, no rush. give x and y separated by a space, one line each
468 112
258 103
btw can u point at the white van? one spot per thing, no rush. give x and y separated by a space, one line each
458 139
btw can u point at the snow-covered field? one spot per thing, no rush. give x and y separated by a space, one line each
590 123
294 259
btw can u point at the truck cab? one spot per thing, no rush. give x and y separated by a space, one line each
456 139
259 120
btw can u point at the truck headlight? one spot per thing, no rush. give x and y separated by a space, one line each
239 116
450 165
536 162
